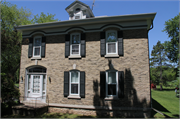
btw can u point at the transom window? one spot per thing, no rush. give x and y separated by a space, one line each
74 82
37 46
75 44
112 81
111 42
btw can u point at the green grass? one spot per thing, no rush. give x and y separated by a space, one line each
17 84
166 102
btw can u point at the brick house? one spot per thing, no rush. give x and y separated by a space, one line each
88 65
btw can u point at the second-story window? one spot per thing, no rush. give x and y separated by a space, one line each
37 46
111 42
75 44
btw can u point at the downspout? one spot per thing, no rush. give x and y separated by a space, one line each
149 62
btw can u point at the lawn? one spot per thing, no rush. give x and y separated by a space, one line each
166 102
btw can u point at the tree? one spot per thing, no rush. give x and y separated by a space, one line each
43 18
172 46
158 58
10 39
12 17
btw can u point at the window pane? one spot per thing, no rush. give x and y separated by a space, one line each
40 70
74 77
77 17
37 42
111 37
111 77
74 88
75 39
29 82
75 49
111 47
44 81
111 89
37 51
36 84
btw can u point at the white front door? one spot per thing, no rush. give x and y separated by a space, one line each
36 86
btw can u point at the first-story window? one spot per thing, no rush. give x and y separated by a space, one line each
75 44
111 83
111 42
74 82
37 46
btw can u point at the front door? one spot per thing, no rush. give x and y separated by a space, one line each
36 86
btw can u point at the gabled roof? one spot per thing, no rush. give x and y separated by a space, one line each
75 3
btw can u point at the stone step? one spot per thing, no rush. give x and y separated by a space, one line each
27 110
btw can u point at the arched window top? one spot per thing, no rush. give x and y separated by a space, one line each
77 10
36 70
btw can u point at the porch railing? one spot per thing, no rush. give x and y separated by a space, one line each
35 102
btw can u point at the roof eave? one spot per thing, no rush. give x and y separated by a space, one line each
147 16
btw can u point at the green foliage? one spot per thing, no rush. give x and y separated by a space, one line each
43 18
158 59
168 75
11 17
158 55
172 46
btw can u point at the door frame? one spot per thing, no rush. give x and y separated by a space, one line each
29 91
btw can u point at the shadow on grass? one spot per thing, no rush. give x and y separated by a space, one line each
165 89
176 115
158 106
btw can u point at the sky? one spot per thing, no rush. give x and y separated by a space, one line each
165 9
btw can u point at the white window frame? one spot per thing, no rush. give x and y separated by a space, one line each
71 94
111 83
76 44
77 14
37 46
116 44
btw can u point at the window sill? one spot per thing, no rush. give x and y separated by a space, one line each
74 97
36 58
111 55
74 56
111 98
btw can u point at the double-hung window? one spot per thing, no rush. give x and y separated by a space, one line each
74 82
111 83
37 46
111 42
75 47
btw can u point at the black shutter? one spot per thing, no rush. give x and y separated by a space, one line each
83 48
121 84
30 50
82 84
43 47
102 84
103 44
83 36
67 45
83 45
120 43
66 83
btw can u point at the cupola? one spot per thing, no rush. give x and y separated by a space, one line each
79 10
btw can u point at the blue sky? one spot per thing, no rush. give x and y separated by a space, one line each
165 10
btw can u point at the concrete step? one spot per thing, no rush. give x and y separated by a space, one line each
27 110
